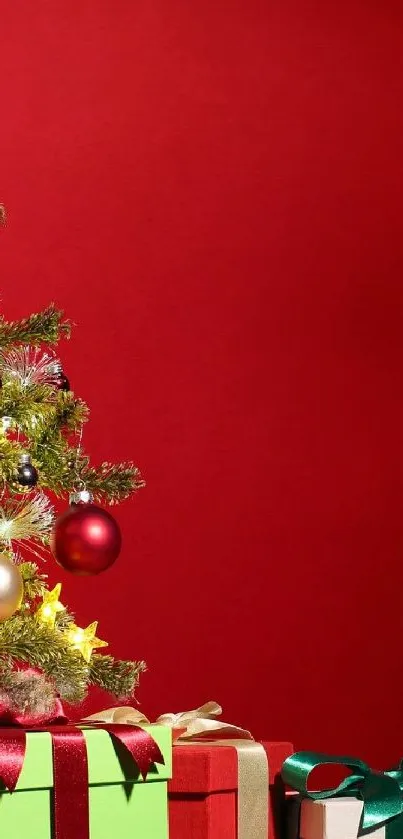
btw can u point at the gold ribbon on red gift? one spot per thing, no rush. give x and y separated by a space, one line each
202 726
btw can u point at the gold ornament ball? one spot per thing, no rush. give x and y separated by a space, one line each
11 588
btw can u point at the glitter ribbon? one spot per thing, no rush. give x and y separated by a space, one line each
70 768
380 792
201 726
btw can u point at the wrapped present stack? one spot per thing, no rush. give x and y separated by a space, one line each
365 803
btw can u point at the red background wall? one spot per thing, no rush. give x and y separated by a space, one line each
213 192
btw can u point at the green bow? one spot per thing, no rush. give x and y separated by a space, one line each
381 792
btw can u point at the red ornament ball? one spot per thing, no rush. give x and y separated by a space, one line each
85 539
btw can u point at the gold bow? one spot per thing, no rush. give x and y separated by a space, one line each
202 724
199 724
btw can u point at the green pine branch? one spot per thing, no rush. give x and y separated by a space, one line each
63 469
112 482
46 327
119 678
46 417
23 638
64 619
34 582
69 414
10 452
40 410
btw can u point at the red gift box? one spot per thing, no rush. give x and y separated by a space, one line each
203 792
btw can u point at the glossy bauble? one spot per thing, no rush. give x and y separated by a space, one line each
27 475
11 587
85 539
60 381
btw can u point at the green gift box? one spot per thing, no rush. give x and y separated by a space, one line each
121 803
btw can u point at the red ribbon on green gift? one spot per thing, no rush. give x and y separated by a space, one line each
70 767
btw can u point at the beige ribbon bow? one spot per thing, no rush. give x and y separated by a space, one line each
202 724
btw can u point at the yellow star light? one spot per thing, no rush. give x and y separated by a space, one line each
46 613
85 640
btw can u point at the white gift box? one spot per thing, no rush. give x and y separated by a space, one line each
328 818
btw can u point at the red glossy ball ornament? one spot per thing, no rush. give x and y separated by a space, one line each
86 539
60 380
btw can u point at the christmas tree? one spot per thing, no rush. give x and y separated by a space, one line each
45 656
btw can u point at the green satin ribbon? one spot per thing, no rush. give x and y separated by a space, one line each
381 792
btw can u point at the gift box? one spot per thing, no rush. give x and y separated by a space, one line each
121 803
333 818
365 803
204 792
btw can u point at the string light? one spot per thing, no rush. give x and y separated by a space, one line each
85 640
50 606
